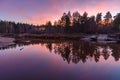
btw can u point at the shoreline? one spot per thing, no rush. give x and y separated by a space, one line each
54 36
7 40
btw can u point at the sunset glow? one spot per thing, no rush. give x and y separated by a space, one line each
40 11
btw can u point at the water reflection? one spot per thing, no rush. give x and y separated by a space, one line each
81 51
76 51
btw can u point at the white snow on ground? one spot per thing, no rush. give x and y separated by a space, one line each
5 41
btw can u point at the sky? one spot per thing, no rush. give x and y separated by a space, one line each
40 11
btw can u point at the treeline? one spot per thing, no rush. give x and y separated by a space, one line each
68 23
77 23
16 28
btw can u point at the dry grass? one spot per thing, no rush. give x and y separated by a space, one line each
53 36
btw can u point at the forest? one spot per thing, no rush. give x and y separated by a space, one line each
68 24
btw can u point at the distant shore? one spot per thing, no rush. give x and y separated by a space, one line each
10 39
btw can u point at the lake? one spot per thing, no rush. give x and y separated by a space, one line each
60 60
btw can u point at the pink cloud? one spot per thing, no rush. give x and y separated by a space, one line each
40 11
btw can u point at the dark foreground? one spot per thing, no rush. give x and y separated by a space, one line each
60 60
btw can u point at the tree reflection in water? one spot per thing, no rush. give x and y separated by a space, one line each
76 51
82 51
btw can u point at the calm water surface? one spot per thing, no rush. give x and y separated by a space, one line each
73 60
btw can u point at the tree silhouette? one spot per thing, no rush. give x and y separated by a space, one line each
117 22
99 18
108 18
68 23
76 22
91 28
84 19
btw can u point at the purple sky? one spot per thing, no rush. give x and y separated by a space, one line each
40 11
